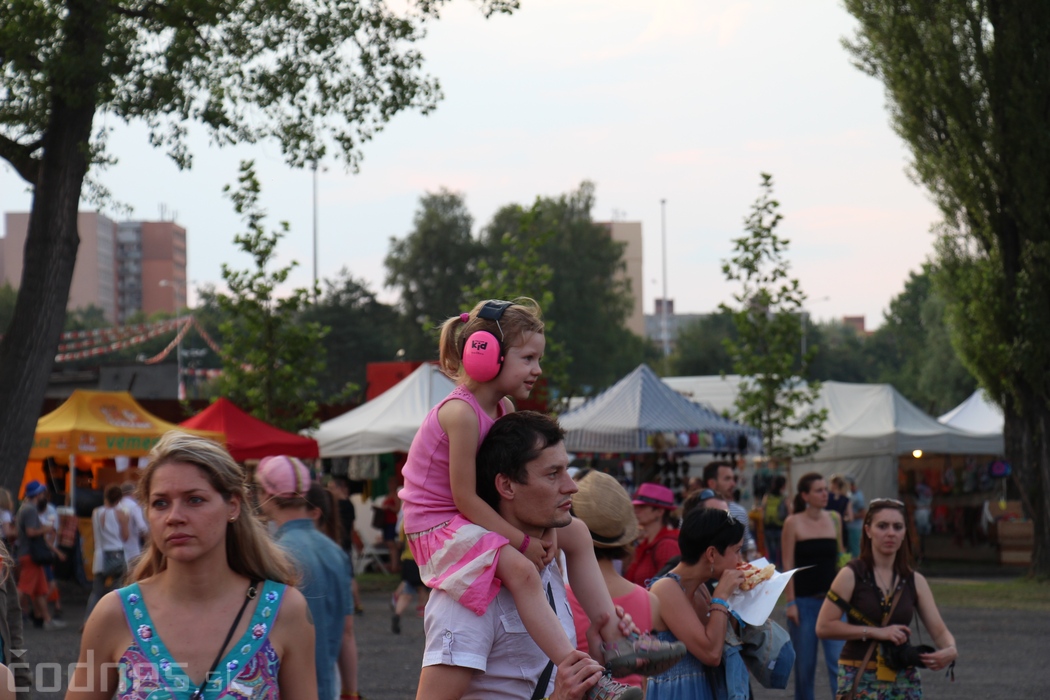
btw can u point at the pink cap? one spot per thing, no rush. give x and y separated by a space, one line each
654 495
283 476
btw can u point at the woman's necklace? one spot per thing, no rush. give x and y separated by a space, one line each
887 591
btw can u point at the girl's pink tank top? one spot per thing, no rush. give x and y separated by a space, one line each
427 494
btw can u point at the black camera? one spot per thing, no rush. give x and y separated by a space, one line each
901 656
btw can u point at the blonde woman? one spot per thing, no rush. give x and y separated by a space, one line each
10 628
211 611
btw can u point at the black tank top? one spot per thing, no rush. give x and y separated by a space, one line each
822 555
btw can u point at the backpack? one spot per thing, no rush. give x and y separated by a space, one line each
776 511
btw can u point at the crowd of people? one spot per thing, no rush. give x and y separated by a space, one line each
543 581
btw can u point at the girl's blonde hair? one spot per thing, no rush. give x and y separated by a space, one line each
521 317
7 563
7 502
249 550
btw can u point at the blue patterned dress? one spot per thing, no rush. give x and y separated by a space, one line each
689 679
247 672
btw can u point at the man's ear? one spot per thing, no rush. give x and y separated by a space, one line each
505 487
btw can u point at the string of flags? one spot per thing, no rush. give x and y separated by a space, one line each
79 345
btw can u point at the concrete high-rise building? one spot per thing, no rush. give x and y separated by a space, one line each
151 268
94 276
125 268
630 232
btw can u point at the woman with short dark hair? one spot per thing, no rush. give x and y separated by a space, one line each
710 540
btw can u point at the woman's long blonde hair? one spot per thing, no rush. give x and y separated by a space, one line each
523 316
249 550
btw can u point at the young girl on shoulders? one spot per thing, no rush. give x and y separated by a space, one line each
462 545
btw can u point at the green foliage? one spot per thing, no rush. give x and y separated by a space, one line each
273 356
700 348
305 74
591 298
518 273
769 333
913 349
8 297
359 331
87 318
431 267
552 251
967 86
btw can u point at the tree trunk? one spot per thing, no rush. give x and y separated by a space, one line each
27 351
1025 436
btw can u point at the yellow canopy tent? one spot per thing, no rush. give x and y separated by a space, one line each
98 425
102 424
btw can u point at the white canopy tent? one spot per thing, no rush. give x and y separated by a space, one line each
977 414
389 422
869 426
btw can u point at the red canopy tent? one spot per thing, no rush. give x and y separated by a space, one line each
248 437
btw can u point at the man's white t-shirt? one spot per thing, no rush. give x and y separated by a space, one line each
495 644
137 527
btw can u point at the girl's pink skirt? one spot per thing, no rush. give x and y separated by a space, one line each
459 558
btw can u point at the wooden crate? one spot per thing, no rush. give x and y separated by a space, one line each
1016 539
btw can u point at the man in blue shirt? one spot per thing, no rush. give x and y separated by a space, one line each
281 484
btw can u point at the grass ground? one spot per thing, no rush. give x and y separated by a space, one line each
370 581
1009 594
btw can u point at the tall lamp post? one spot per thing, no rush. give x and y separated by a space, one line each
180 394
663 306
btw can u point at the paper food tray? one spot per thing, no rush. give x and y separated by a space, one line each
755 606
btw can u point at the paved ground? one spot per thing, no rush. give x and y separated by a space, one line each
1004 654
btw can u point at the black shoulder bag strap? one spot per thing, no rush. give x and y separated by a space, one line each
871 648
545 677
249 596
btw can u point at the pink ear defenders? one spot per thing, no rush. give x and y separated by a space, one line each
483 351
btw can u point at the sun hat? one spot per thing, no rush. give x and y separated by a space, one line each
34 488
283 476
655 495
605 508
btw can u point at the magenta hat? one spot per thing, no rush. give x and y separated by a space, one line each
654 495
283 476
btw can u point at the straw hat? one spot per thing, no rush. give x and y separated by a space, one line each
604 506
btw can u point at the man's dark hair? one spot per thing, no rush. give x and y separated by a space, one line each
711 471
514 440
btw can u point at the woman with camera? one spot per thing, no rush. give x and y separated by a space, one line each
880 593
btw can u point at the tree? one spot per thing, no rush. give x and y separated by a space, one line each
273 356
246 71
591 298
771 397
432 266
967 85
912 350
841 354
700 346
520 273
358 333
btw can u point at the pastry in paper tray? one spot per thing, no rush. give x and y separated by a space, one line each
755 606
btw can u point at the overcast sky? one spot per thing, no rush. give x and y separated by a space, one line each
676 99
